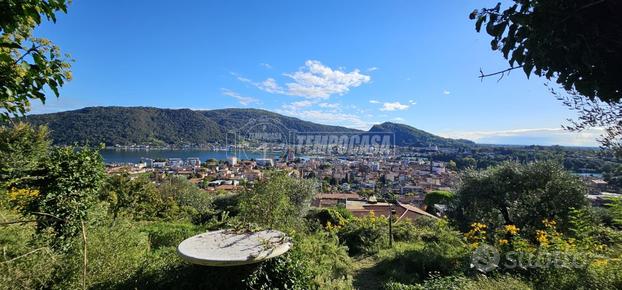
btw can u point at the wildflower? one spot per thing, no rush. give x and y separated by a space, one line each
503 242
511 229
542 238
21 196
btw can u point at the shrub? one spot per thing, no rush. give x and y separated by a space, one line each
26 263
326 259
167 234
365 235
114 254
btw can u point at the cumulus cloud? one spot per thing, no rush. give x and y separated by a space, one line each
531 136
245 101
394 106
446 92
314 81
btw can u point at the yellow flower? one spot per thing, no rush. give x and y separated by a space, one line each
542 237
600 262
21 196
503 242
511 229
549 223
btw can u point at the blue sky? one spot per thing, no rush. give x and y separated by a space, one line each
350 63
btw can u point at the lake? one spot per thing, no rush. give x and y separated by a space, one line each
133 156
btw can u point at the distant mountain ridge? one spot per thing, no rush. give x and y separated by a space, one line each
155 126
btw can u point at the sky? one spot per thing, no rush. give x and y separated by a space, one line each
351 63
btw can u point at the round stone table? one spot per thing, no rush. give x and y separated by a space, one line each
231 248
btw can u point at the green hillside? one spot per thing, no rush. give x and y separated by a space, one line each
144 125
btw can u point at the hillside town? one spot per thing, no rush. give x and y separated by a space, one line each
361 184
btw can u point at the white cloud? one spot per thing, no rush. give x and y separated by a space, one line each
446 92
399 119
295 106
314 81
270 86
374 102
330 118
412 102
371 69
245 101
265 65
393 106
329 105
530 136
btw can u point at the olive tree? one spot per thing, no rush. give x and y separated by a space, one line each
279 201
517 194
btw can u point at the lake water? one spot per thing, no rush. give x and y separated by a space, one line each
133 156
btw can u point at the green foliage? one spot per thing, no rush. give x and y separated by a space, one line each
114 253
334 216
570 41
460 282
364 236
279 201
137 197
284 272
615 209
437 197
166 234
69 185
326 260
22 150
28 65
522 195
26 263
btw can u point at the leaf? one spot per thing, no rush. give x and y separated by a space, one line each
527 67
10 45
478 24
473 14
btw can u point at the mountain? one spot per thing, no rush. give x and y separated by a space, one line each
146 125
409 136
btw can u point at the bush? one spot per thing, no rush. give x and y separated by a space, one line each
26 263
114 254
365 236
441 253
167 234
326 259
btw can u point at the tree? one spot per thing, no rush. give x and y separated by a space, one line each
69 183
22 150
517 194
437 197
28 65
577 43
279 201
139 196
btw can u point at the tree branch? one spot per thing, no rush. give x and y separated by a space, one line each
482 75
16 222
24 255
